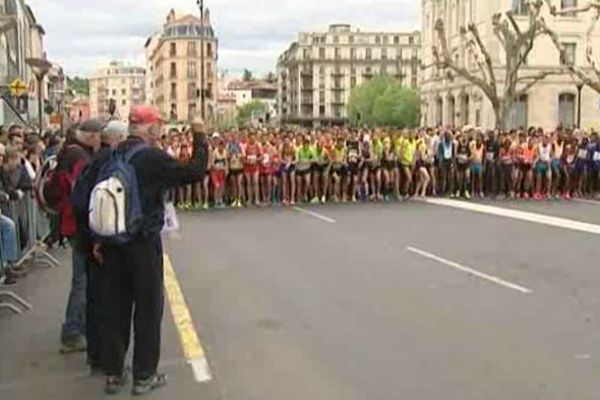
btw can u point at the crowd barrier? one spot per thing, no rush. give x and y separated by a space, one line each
32 228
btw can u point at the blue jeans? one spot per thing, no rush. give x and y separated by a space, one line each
8 236
74 325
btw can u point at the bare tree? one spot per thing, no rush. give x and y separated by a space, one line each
517 44
589 78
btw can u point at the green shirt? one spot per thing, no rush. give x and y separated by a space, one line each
308 154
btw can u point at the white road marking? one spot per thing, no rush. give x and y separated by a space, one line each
519 215
316 215
471 271
201 369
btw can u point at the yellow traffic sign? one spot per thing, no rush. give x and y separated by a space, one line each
18 87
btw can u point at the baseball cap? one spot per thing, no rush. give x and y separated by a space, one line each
91 126
144 115
116 127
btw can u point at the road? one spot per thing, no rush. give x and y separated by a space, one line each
380 301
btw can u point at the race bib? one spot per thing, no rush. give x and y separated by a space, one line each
303 166
583 153
447 153
252 158
597 156
490 156
462 158
266 159
353 155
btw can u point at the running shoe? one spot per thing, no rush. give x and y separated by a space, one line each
114 383
323 200
482 195
467 195
315 200
145 386
205 206
457 194
292 203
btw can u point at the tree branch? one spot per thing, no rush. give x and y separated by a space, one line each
533 80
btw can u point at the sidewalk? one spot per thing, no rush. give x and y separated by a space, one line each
32 368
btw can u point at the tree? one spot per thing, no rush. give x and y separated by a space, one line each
590 79
246 112
383 102
270 77
79 85
247 76
502 84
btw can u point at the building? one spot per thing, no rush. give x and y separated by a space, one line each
174 59
79 109
262 91
21 37
119 84
317 72
150 47
456 102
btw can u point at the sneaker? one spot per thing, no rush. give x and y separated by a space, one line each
482 195
314 200
467 195
145 386
10 280
76 345
114 383
323 200
205 206
457 195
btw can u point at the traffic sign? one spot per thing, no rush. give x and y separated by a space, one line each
18 87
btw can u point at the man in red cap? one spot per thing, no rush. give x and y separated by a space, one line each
134 272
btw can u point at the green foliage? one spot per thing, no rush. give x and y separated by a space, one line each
80 85
245 113
271 77
384 102
247 76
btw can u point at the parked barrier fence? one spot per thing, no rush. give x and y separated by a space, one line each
32 227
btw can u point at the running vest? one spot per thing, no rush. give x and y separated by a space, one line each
447 149
220 159
353 151
544 152
462 153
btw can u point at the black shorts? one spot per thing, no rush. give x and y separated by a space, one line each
525 167
303 173
463 167
320 168
352 169
375 166
235 172
388 164
366 165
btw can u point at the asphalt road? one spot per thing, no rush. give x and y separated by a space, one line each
354 302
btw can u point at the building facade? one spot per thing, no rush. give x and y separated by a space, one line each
549 103
174 59
317 72
21 37
119 84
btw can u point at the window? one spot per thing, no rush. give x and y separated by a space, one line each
173 91
124 92
124 102
351 39
385 40
192 90
384 54
173 71
337 53
566 110
396 39
209 50
518 116
192 49
570 51
399 54
368 54
321 52
411 40
353 81
305 54
322 111
209 71
568 4
336 39
377 39
520 7
192 70
192 110
173 51
352 53
439 114
114 92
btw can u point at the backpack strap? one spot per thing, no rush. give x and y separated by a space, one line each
128 156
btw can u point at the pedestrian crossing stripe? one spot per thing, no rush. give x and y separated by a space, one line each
190 341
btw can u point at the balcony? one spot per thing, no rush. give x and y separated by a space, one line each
306 72
338 102
338 88
337 74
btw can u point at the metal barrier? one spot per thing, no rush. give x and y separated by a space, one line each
32 227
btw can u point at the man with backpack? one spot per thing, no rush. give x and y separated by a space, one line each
126 218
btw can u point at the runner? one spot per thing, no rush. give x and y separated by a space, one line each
446 154
543 169
477 149
338 168
218 165
375 170
492 149
463 159
558 167
306 156
528 160
408 149
433 142
322 168
423 162
252 155
352 166
267 170
366 153
569 160
507 158
288 172
236 171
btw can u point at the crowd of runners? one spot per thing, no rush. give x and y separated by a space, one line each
272 167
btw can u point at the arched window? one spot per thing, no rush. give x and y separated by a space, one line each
439 114
566 110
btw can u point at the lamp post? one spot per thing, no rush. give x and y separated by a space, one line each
202 32
579 89
40 67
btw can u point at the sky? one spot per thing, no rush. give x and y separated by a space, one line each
82 35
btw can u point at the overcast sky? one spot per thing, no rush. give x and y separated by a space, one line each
80 35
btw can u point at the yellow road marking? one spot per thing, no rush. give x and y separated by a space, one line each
190 342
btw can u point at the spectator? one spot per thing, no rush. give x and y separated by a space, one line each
15 137
75 155
14 176
134 272
33 160
8 237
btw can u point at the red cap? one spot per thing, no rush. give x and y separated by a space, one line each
144 115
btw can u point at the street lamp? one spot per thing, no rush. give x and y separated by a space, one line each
40 67
202 32
579 89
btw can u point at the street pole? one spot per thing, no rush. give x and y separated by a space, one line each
202 31
40 67
40 81
579 89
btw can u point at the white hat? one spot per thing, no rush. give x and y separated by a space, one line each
116 128
216 135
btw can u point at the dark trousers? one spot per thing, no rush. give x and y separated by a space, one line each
133 280
95 314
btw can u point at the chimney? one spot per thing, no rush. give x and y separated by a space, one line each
206 21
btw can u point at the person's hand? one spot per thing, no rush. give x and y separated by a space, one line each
98 253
